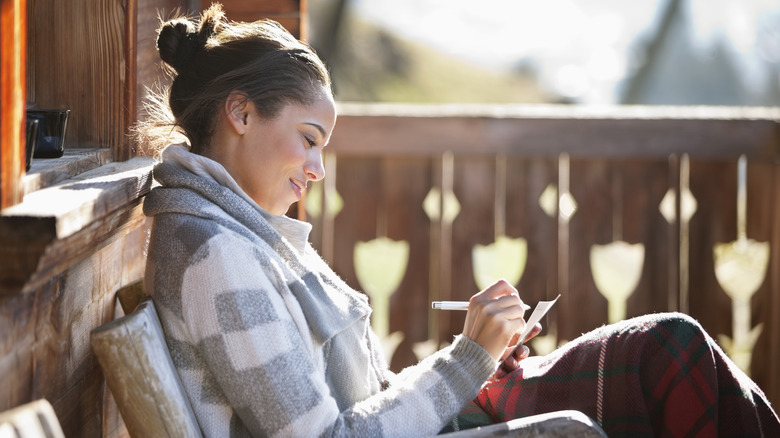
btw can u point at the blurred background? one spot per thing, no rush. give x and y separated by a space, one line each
655 52
615 169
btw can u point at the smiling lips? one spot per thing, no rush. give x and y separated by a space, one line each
299 187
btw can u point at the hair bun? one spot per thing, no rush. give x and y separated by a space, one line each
179 39
210 22
177 43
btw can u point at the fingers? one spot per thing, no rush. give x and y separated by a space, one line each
485 297
516 353
494 317
498 289
512 361
506 307
534 331
502 294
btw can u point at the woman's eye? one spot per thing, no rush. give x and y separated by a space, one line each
311 142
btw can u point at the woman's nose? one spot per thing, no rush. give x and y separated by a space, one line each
314 167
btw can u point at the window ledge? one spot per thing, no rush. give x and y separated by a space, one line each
63 222
45 172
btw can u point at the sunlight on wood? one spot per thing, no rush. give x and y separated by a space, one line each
380 266
617 268
740 267
548 200
505 258
314 201
432 205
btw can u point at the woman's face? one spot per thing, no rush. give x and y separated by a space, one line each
279 156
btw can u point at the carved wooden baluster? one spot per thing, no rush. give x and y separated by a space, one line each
505 257
617 266
740 267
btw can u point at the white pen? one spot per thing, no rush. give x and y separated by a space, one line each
450 305
458 305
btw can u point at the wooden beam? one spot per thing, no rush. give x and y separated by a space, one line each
546 131
13 55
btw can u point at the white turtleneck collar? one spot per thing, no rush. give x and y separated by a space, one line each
296 232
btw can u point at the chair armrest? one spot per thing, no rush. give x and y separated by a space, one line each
552 425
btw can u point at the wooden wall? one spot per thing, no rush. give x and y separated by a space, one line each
61 265
45 351
76 61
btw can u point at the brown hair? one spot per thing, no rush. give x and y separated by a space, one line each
211 57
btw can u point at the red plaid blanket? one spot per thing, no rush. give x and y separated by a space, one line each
657 375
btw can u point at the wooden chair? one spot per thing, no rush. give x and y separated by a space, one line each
32 420
139 371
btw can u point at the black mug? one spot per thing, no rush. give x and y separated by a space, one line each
52 126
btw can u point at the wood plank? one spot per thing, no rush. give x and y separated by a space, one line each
591 223
67 310
45 344
92 55
714 185
473 185
640 186
124 149
47 172
260 7
633 132
17 326
304 21
406 182
79 409
13 55
149 71
359 184
527 178
81 200
289 13
772 310
62 223
617 200
57 255
762 226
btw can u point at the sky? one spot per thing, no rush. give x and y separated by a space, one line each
580 48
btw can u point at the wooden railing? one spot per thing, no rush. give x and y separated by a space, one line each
565 184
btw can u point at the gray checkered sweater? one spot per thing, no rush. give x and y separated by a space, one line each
267 339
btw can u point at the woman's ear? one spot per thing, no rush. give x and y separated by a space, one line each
237 107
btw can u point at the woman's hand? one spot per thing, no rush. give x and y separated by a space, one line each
514 353
495 317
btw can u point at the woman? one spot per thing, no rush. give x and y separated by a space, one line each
269 341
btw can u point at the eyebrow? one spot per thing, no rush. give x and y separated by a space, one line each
319 128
